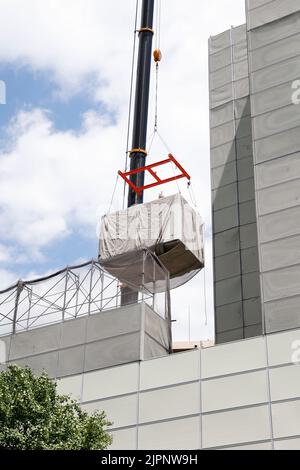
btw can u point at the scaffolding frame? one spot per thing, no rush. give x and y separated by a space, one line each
72 292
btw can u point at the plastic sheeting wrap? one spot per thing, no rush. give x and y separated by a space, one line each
169 227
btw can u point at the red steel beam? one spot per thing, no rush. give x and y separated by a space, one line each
158 181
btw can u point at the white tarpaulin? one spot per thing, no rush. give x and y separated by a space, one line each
168 226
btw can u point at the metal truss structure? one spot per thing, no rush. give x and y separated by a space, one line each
75 291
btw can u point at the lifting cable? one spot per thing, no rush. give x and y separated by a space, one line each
113 194
204 278
169 151
157 58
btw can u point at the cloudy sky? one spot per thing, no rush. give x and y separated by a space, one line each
66 65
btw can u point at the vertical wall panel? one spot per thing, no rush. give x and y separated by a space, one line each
274 58
233 185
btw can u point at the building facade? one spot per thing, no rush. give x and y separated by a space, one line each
244 393
239 395
255 144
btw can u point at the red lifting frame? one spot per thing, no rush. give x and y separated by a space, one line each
158 181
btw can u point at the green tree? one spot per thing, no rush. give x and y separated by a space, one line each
34 416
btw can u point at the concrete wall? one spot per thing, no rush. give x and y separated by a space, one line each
240 395
236 270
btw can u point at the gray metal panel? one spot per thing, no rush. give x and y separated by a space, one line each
244 148
247 213
242 107
253 331
278 171
280 253
228 291
241 70
73 332
252 311
243 127
275 31
274 75
250 4
276 121
111 352
114 322
219 42
273 98
152 349
238 34
281 283
70 361
226 242
245 168
221 95
35 341
220 59
227 266
248 236
241 88
250 260
233 358
251 286
44 362
270 12
224 175
282 314
220 77
221 115
222 134
157 328
237 391
246 190
225 196
225 219
229 317
240 54
5 349
279 197
276 52
229 336
223 154
279 225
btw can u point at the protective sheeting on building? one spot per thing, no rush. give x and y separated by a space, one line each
236 267
274 58
262 12
169 227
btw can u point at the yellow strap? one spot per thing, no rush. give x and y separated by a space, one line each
143 30
138 151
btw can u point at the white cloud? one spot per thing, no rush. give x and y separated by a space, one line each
74 39
5 253
53 182
7 278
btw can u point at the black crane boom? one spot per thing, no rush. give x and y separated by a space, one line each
140 120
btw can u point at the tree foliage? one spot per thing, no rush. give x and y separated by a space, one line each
34 416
